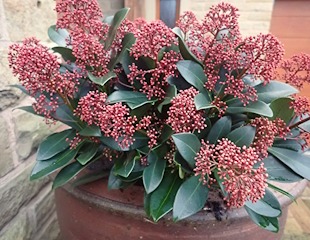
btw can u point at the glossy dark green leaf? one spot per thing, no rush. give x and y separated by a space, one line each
58 36
115 182
220 129
90 177
166 134
91 131
124 166
292 144
43 168
20 87
257 107
170 94
153 174
88 151
268 206
267 223
133 99
65 115
202 101
190 198
128 40
242 136
188 146
146 204
66 53
116 22
54 144
285 193
101 80
67 173
298 162
185 52
193 73
281 109
162 199
273 90
181 162
277 171
179 82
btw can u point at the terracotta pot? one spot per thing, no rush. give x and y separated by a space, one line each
92 212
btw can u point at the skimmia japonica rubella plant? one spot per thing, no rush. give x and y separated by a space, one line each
181 111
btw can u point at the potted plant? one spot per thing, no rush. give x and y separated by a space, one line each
189 119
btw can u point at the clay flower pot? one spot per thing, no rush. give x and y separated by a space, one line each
94 212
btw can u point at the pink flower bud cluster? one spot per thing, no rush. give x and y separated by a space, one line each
266 131
151 38
90 52
38 71
300 105
79 14
182 114
114 120
154 81
235 167
221 106
297 70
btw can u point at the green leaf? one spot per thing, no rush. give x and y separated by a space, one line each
115 182
166 134
277 171
28 109
220 129
66 53
185 52
257 107
273 90
190 198
153 174
91 131
67 173
88 151
146 203
268 206
161 200
65 115
267 223
43 168
54 144
101 80
20 87
58 36
179 82
275 188
292 144
188 146
193 73
133 99
242 136
298 162
202 101
170 94
128 40
90 177
281 109
116 22
123 167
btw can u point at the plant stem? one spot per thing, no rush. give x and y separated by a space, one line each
300 122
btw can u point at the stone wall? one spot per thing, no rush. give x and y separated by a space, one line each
27 209
255 15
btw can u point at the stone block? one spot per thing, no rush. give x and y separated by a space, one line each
117 4
29 130
6 159
50 231
17 228
17 190
41 208
29 18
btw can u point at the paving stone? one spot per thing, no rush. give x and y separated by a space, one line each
6 159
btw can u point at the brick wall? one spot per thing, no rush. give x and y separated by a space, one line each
27 209
255 15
